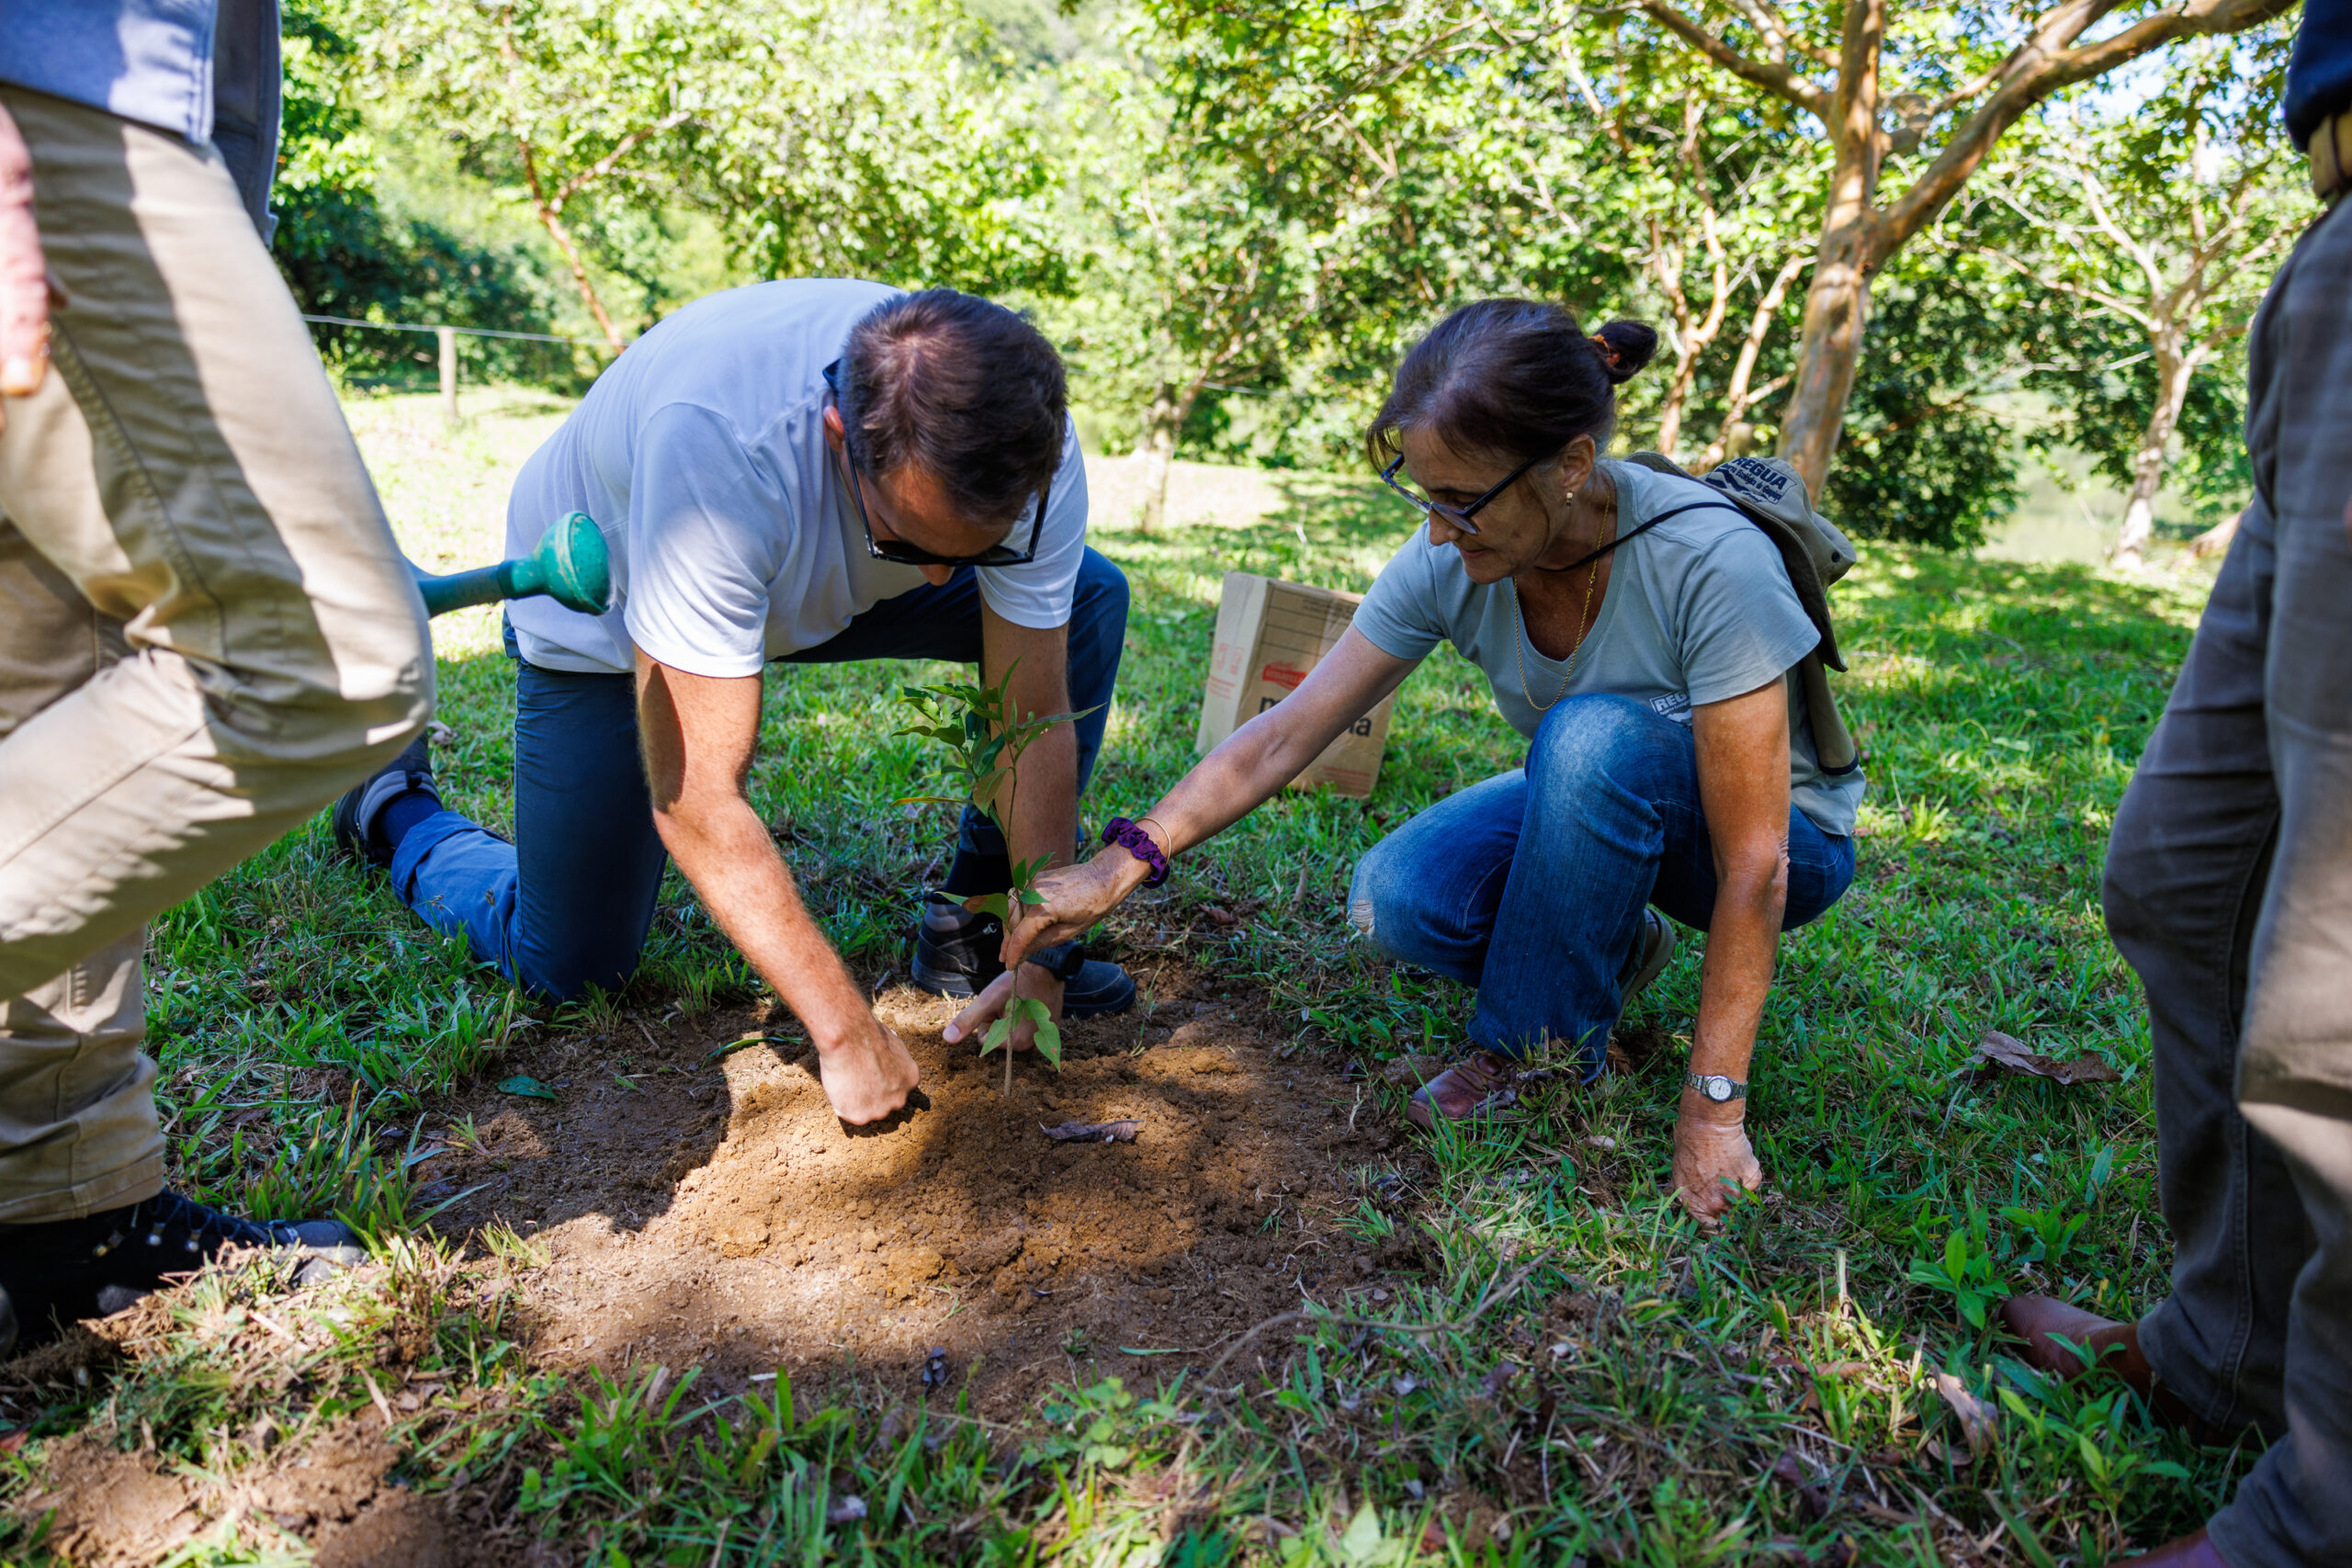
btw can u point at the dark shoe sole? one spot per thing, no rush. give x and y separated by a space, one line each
1100 989
415 764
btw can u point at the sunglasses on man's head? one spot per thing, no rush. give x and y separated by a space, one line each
1455 516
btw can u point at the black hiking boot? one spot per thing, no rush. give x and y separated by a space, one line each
357 814
956 956
59 1271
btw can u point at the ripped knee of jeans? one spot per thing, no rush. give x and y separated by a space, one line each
1359 915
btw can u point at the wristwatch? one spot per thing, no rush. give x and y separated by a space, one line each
1716 1086
1062 960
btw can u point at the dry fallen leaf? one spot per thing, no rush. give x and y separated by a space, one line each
1812 1499
1976 1418
1094 1131
1998 1053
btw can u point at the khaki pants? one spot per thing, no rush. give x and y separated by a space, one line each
206 629
2229 889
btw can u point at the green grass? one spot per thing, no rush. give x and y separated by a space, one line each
1587 1368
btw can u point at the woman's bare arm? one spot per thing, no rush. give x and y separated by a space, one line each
1743 746
1255 761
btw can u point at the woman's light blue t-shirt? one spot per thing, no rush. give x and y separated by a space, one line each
1699 609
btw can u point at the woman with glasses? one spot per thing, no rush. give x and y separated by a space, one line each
1636 628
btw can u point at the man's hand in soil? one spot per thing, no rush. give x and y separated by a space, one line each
24 276
984 1009
868 1076
1712 1159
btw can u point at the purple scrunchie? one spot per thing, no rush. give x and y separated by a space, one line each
1137 843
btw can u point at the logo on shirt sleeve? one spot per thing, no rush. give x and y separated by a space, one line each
1675 705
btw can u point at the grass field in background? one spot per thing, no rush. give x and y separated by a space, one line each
1630 1383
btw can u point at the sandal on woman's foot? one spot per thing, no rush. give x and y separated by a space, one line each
1478 1085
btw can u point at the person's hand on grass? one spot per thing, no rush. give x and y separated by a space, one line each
1712 1161
984 1009
1076 897
25 289
868 1076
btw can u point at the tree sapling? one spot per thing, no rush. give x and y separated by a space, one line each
978 728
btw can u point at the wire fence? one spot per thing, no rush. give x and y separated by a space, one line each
447 336
436 330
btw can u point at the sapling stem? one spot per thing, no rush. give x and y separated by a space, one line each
984 736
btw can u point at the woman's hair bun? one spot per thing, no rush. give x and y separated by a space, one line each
1625 347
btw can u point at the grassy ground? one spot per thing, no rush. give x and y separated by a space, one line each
1582 1375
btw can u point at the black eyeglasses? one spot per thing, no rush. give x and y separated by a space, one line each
904 554
898 551
1456 516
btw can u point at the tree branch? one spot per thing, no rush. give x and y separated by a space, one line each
1776 79
2045 63
621 149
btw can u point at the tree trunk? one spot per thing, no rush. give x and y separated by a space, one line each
1731 440
1838 300
1678 388
2174 372
1836 310
1170 409
1158 452
562 237
551 218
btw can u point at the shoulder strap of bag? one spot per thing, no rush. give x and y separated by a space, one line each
1833 744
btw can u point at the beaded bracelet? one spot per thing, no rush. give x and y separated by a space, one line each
1137 843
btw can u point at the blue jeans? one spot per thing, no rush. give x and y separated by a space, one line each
1530 885
567 904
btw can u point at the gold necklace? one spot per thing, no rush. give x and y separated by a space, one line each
1519 648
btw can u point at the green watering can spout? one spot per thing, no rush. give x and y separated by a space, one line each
572 566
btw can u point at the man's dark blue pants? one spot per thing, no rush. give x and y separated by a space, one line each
567 904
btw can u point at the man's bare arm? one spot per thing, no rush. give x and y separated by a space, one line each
1044 807
699 734
1045 815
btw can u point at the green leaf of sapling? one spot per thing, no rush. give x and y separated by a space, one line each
999 1033
1049 1041
987 904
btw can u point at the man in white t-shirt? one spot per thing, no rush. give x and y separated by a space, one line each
816 471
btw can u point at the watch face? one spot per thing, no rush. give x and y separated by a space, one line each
1716 1086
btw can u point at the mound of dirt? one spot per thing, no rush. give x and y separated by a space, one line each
712 1213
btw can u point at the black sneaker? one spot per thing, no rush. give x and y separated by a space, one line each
956 956
357 812
7 1327
63 1270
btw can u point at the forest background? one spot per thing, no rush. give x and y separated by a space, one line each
1233 220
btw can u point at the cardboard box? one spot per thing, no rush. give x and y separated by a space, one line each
1269 635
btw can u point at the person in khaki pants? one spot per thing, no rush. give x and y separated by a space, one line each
2229 891
206 629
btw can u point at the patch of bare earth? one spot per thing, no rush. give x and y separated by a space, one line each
715 1213
110 1508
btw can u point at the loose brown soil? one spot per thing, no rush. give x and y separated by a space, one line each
715 1213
